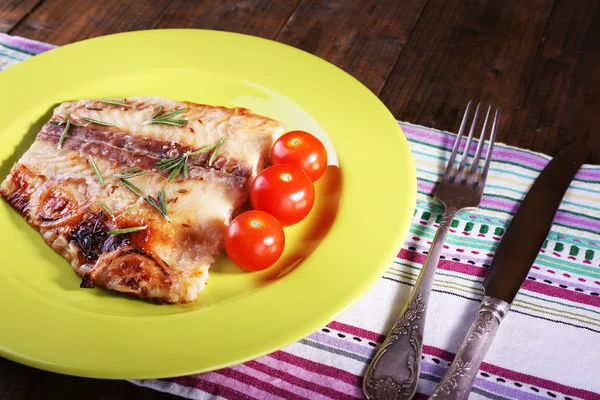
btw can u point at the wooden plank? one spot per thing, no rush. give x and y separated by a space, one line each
362 37
17 381
65 21
13 11
263 18
463 50
562 98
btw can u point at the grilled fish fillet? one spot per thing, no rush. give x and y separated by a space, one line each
56 188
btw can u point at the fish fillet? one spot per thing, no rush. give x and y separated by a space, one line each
59 192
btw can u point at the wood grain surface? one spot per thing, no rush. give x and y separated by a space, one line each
539 60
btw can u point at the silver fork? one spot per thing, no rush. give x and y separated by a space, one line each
394 371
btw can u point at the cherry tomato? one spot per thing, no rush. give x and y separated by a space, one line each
254 240
284 191
303 150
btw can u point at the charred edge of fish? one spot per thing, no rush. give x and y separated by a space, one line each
91 237
86 282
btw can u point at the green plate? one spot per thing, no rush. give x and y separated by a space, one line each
362 213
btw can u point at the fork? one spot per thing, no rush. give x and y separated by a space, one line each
394 371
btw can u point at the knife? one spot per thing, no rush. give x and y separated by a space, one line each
514 256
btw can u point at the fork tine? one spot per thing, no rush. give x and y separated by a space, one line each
488 156
474 166
465 153
457 142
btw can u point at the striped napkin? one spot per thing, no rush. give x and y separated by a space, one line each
548 346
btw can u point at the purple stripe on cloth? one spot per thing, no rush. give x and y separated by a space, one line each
317 367
554 291
350 389
577 221
314 388
500 153
485 384
341 344
28 45
210 387
248 380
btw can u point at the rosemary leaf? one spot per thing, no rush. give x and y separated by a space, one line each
159 203
95 121
176 170
213 156
107 209
177 164
166 119
63 135
136 190
125 175
202 150
158 111
63 123
171 114
166 161
174 122
115 103
132 170
127 230
95 166
129 210
171 166
94 108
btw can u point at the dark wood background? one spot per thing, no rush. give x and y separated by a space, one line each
539 60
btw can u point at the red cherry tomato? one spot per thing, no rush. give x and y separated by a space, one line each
284 191
254 240
303 150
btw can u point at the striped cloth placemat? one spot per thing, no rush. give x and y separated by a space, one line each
547 347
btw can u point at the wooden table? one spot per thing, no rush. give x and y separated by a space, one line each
539 60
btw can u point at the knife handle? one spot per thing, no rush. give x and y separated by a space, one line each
456 385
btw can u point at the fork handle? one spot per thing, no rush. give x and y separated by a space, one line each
394 371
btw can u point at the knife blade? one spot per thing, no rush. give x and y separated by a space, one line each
512 261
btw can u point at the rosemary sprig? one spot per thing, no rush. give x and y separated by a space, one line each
64 132
128 174
134 189
107 209
176 164
160 203
95 166
127 230
166 119
213 156
95 121
115 103
129 210
63 122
